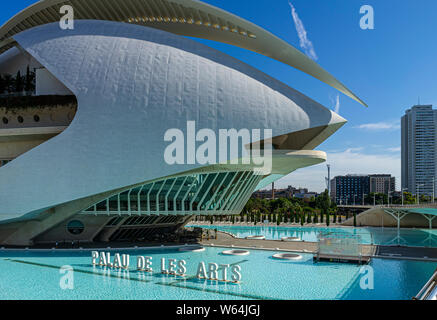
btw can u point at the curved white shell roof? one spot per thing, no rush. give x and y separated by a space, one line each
132 84
183 17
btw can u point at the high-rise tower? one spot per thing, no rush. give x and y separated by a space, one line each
419 149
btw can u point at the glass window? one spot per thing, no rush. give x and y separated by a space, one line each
75 227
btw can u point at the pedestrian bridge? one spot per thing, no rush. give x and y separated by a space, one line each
410 216
367 207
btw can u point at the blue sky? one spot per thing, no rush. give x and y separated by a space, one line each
389 67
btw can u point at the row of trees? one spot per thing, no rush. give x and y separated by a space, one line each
315 210
284 210
321 204
302 218
18 83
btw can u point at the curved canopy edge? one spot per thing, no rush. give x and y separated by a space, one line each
183 17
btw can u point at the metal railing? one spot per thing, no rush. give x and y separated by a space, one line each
429 290
17 94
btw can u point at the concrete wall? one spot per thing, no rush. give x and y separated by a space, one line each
10 150
17 138
93 224
49 116
15 60
47 84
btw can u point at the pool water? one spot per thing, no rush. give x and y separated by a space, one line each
379 236
36 275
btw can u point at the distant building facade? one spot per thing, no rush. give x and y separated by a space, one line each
351 189
418 127
382 183
289 192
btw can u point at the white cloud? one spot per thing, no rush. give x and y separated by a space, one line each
350 150
305 43
337 104
351 161
396 149
379 126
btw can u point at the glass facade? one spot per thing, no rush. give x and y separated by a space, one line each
349 190
418 126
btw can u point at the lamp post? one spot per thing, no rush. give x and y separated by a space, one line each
374 199
402 193
363 198
354 199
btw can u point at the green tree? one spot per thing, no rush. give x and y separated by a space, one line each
8 83
2 84
19 85
29 82
323 202
409 198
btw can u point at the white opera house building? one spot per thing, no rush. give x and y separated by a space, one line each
84 112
